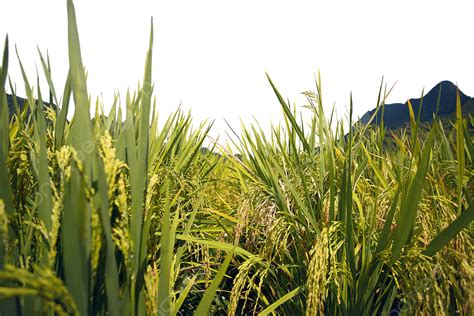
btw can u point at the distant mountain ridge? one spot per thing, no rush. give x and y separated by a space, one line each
396 115
21 103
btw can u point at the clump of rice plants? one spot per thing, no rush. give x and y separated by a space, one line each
116 214
350 224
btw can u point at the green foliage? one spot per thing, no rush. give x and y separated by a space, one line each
118 215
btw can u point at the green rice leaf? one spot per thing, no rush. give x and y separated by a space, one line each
206 301
409 208
282 300
183 294
45 202
166 254
461 222
217 245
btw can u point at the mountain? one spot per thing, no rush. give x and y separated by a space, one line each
21 104
397 115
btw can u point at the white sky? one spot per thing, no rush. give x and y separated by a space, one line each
212 55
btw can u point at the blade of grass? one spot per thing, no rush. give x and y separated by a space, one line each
45 203
183 294
4 111
5 188
445 236
111 273
76 227
409 208
384 236
216 245
61 120
206 301
7 306
347 198
47 73
460 154
166 253
289 115
139 173
282 300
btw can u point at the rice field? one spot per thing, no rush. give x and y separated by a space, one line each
117 214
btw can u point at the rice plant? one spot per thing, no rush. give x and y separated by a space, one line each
117 214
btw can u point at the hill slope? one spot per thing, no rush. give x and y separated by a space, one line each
397 115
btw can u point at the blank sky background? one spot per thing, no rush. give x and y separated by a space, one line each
212 55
